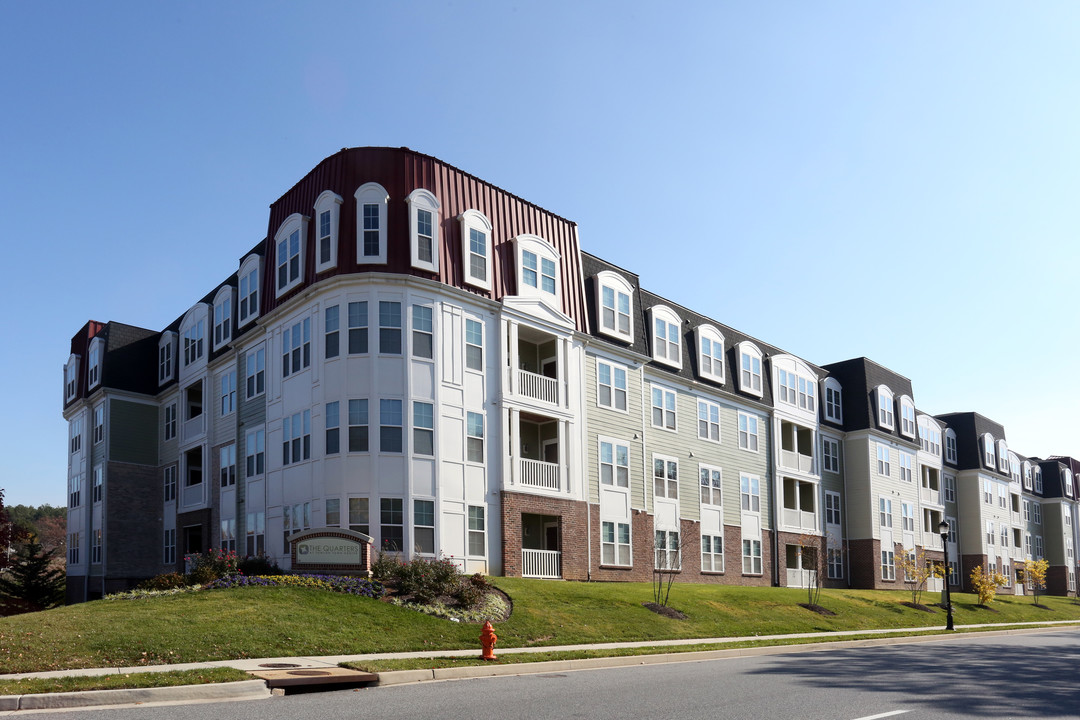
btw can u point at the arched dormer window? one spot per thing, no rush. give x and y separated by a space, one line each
223 313
885 416
1067 481
907 416
614 306
537 263
93 363
289 243
1026 470
929 435
327 221
476 247
950 445
1014 467
834 400
71 377
749 368
193 336
794 382
1037 473
666 336
249 290
989 456
424 229
166 357
710 344
371 202
1002 456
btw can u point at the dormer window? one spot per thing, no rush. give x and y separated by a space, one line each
193 336
950 446
989 456
1037 473
929 436
750 369
371 202
538 264
424 229
1014 467
93 365
833 401
1003 456
886 418
223 316
907 416
667 343
1027 475
613 303
476 248
71 377
289 259
710 353
249 289
327 220
166 353
1066 481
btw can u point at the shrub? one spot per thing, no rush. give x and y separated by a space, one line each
168 581
257 565
986 584
334 583
385 567
471 596
427 580
211 565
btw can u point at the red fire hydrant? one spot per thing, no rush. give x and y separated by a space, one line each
488 638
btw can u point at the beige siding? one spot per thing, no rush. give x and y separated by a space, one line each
617 425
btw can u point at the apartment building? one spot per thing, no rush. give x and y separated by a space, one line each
417 358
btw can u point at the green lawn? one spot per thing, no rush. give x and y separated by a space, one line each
272 622
35 686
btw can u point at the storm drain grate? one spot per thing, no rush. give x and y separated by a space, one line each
279 666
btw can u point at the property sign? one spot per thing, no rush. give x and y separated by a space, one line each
328 551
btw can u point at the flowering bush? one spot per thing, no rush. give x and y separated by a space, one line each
335 583
211 565
141 594
428 580
168 581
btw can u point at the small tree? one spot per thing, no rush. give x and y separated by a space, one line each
916 571
32 582
5 533
1035 576
668 552
813 549
986 584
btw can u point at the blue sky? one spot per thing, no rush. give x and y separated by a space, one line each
838 179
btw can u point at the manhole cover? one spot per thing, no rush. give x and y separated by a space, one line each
279 665
308 672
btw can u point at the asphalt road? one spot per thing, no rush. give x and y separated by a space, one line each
1015 676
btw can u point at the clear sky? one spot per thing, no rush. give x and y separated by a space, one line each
895 180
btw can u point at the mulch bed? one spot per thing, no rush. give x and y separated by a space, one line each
987 607
1043 607
668 612
817 608
919 606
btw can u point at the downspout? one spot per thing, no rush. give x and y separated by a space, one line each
772 508
844 511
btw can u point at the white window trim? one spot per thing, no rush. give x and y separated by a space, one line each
709 405
666 459
96 355
670 319
885 420
475 220
328 201
613 367
421 199
826 455
664 409
989 451
294 223
714 336
711 469
748 348
951 449
756 434
906 403
832 384
223 299
71 377
619 285
615 444
371 194
542 249
251 264
200 313
1002 456
168 339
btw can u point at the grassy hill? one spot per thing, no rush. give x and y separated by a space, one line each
274 622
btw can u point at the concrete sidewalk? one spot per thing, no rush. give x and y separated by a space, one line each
257 689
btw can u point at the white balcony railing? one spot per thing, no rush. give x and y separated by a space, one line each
193 427
797 461
538 387
931 496
536 473
193 494
931 541
800 519
800 578
541 563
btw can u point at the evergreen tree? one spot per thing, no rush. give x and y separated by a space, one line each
5 533
30 584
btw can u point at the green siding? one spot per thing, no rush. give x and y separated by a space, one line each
132 432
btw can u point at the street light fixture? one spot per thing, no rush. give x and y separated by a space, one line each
943 531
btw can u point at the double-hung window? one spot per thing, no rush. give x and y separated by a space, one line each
296 438
614 464
371 203
476 248
886 418
883 466
389 327
615 311
327 219
751 557
885 512
358 328
477 531
392 516
832 508
786 382
296 347
907 516
712 481
750 493
423 428
249 289
712 553
668 550
256 371
611 385
223 317
708 420
254 453
227 465
830 453
424 229
228 392
665 477
332 331
422 334
289 256
538 271
833 400
76 433
474 344
806 394
170 421
667 343
424 526
907 416
390 426
750 369
333 429
663 408
615 543
748 432
99 423
358 425
950 446
711 353
169 482
474 441
907 462
193 342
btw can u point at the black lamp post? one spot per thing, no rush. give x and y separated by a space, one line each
943 530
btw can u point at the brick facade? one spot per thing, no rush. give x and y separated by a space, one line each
572 529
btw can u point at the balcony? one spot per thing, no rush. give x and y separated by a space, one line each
799 578
538 387
931 496
796 461
796 447
539 474
541 564
931 541
800 506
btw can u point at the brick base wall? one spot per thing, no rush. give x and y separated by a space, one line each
572 532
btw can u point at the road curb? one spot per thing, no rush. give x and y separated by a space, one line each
210 692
